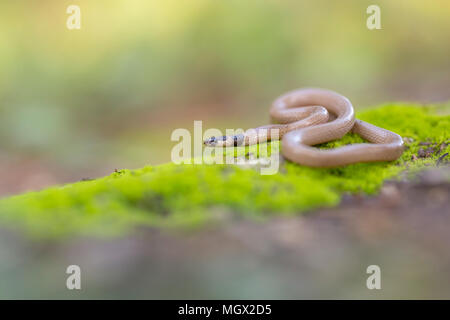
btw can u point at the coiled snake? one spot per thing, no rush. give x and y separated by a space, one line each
307 117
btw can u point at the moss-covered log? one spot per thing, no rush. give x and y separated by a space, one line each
187 196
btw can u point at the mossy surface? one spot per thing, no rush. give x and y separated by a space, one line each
187 196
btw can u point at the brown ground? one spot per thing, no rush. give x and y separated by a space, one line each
404 230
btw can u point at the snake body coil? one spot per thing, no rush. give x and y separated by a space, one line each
311 116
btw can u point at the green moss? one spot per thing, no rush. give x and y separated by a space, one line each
172 196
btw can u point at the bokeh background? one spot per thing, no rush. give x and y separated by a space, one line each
78 104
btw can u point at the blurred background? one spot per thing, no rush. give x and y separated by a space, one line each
78 104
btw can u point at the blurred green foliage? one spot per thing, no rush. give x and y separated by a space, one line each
73 96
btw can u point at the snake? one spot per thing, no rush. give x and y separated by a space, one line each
307 117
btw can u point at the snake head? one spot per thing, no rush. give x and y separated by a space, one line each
210 142
224 141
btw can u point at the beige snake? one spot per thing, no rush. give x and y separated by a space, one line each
311 116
